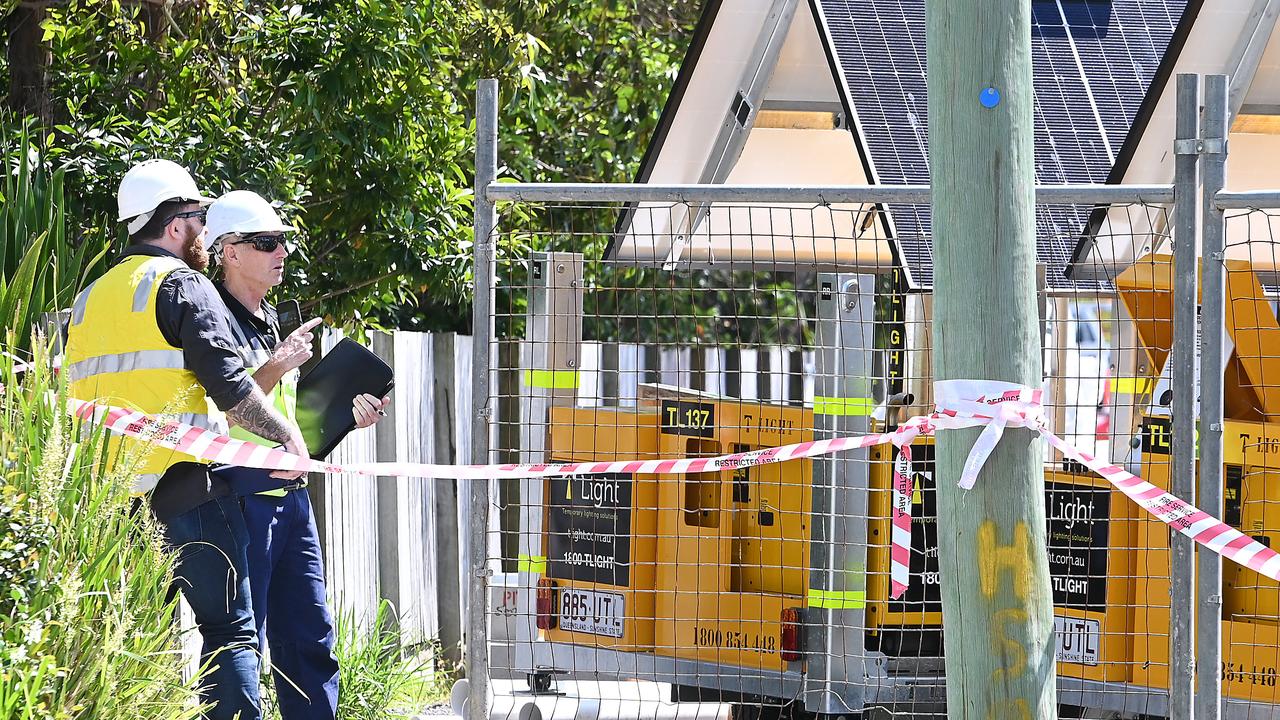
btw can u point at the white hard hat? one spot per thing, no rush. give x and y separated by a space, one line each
150 183
242 212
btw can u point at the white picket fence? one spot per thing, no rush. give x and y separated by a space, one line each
397 539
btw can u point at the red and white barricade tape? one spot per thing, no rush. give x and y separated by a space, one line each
900 524
994 406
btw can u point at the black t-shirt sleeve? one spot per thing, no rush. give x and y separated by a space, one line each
193 317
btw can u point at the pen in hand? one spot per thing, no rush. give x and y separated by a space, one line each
367 409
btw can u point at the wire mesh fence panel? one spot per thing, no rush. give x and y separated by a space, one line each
1251 454
663 331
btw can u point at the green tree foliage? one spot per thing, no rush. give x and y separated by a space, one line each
595 82
357 116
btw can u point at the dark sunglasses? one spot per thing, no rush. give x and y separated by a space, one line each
263 243
200 213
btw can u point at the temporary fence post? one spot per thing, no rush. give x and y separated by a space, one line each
1213 139
997 602
550 372
1183 472
482 329
843 402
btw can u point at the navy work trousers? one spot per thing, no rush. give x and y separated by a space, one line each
286 577
212 573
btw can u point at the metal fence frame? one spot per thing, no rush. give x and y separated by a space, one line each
1200 147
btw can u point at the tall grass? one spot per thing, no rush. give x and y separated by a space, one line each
41 267
375 679
86 627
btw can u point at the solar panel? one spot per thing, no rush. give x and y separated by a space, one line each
1092 63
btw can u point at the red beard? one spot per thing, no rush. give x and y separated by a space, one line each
194 253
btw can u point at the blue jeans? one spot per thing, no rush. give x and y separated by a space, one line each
286 575
212 545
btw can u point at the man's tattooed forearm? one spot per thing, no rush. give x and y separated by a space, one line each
254 415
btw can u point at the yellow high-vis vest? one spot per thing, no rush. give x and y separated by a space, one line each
116 355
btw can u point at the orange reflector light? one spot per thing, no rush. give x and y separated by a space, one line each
791 634
546 605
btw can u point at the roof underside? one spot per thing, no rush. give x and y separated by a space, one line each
1093 62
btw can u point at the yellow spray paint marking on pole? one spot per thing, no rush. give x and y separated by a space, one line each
1017 709
1016 558
852 407
531 563
1014 653
992 558
837 599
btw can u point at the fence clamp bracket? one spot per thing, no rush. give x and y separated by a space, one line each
1187 146
1200 146
1213 146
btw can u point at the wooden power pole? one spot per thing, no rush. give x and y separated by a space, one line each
996 600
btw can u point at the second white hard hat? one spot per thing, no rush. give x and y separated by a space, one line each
242 212
150 183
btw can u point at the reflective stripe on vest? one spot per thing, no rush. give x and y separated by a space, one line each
127 362
82 300
117 354
148 286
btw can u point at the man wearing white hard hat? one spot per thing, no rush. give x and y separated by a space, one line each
286 570
153 335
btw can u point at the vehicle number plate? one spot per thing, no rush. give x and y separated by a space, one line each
589 611
1077 639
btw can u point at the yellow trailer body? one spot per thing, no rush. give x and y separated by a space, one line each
1090 530
1251 622
733 544
600 532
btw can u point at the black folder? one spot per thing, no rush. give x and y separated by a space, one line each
326 392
